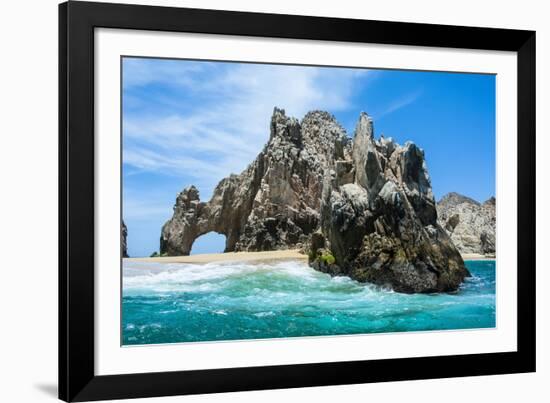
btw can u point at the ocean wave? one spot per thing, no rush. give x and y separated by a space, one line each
274 287
207 277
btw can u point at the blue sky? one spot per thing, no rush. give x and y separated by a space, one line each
192 122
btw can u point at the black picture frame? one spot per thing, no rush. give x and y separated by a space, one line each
77 21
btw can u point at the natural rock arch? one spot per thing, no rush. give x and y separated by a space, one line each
192 219
211 242
274 203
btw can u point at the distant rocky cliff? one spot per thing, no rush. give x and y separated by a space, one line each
470 224
123 236
362 207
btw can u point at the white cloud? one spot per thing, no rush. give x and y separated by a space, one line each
141 71
136 209
229 124
400 103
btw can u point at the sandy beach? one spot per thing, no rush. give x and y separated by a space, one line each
476 256
253 257
226 257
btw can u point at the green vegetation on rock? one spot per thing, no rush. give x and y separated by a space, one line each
156 254
327 258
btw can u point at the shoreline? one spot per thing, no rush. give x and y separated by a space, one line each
294 254
476 256
225 257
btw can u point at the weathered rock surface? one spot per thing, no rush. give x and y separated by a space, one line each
362 208
274 204
123 236
470 224
382 227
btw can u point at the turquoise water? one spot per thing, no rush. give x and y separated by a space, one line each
170 303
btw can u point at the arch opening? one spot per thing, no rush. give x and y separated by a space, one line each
211 242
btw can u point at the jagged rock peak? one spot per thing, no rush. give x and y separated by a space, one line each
316 126
188 195
319 117
284 127
365 126
382 226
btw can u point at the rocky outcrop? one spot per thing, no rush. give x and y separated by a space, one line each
362 207
274 204
382 226
470 224
123 236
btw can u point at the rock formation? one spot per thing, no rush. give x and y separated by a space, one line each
470 224
274 203
123 236
362 208
381 227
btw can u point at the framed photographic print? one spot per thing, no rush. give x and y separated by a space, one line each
254 201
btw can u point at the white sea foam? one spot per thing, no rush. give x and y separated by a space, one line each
265 288
160 277
220 312
264 314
